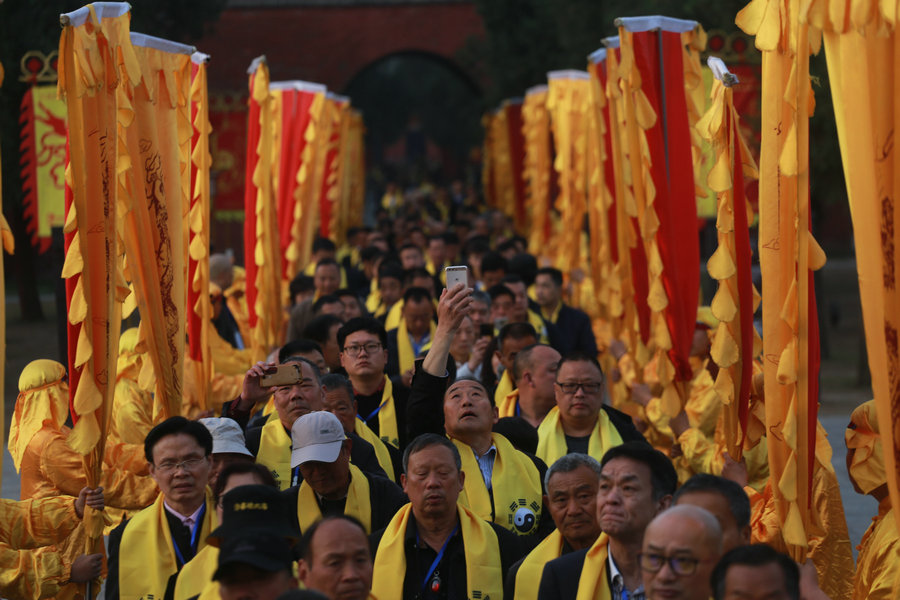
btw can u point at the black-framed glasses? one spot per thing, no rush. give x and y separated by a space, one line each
680 565
370 348
570 387
188 465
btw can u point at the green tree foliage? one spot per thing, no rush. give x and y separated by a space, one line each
34 25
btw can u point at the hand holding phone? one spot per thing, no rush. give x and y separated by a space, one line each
457 274
287 374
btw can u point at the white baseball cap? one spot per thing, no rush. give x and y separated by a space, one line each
227 436
316 436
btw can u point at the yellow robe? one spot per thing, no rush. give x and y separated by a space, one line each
878 563
30 566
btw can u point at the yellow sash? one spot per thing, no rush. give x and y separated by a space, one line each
357 505
528 578
275 451
538 323
146 554
381 451
552 438
593 585
516 485
504 388
404 347
507 406
387 416
210 591
482 551
394 316
269 408
197 574
373 301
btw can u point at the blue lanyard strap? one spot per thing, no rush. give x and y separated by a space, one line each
195 531
437 559
374 412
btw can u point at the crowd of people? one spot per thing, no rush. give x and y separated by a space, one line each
424 442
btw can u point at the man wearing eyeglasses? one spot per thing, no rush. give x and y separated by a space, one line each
636 483
381 400
681 548
156 543
580 421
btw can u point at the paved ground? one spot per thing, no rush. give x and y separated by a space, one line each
841 388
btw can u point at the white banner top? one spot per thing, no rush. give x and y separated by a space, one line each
299 85
597 56
721 72
536 89
568 74
198 58
653 23
255 64
109 10
611 41
148 41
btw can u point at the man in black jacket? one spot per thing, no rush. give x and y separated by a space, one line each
570 328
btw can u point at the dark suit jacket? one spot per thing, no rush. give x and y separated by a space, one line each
560 578
572 331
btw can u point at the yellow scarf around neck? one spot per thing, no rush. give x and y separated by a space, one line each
197 574
593 585
507 406
484 569
308 511
528 578
387 416
147 555
394 316
381 451
405 354
275 451
552 438
516 485
504 388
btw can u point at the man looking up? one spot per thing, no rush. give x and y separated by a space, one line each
271 442
571 498
512 338
337 559
534 373
636 484
756 572
435 547
572 327
331 485
413 336
364 356
581 422
681 547
503 485
147 549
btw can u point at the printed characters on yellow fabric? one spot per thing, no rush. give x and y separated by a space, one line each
552 438
357 502
514 500
528 578
41 572
275 451
484 574
147 535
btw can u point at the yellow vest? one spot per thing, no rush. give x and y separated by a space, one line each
275 451
516 486
197 574
147 555
528 578
357 505
552 438
484 571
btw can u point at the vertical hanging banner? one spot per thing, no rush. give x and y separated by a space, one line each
537 167
788 254
516 145
652 73
94 51
568 102
8 245
339 109
43 151
300 207
862 49
154 203
199 309
736 343
261 245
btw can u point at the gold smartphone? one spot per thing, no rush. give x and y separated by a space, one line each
288 374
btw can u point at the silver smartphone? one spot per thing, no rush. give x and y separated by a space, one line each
457 274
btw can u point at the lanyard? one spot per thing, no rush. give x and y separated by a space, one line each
437 559
374 412
195 531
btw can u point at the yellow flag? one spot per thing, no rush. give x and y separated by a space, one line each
861 47
536 132
7 240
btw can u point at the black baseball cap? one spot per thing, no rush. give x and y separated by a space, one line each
266 553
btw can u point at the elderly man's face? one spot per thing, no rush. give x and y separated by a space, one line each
432 482
468 410
685 557
305 396
180 468
341 565
572 501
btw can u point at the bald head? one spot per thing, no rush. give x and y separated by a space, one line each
681 548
